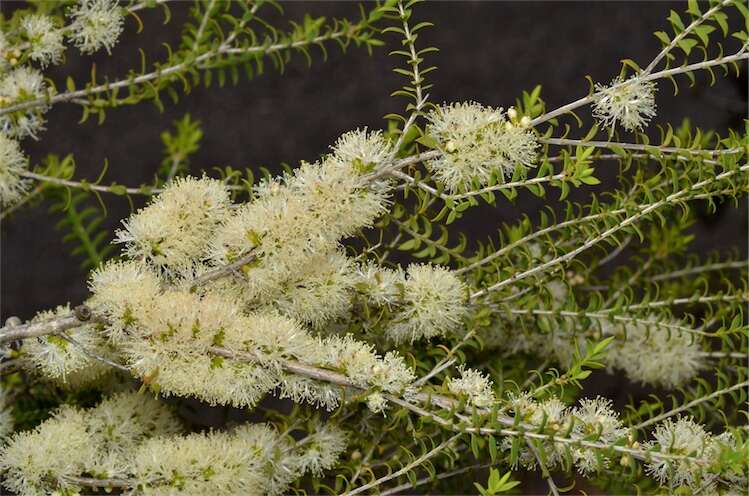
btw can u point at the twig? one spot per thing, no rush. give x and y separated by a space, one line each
544 471
641 147
80 315
442 476
101 483
674 197
740 55
422 459
91 354
740 264
83 314
691 404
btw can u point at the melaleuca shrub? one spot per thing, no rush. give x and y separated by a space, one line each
340 327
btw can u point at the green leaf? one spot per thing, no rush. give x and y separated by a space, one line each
703 32
409 245
590 180
687 44
676 22
722 20
694 8
663 36
428 141
496 484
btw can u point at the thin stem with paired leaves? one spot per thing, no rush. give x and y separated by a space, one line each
691 404
580 102
544 470
674 42
407 468
600 237
223 49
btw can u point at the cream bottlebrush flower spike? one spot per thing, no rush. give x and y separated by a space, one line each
170 345
169 336
73 442
595 417
172 233
119 289
250 459
664 355
683 437
362 150
629 103
478 143
382 286
302 217
319 292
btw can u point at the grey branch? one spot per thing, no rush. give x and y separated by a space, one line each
80 315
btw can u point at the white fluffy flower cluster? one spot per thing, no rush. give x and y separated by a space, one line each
687 440
12 162
173 232
18 85
134 438
321 450
362 150
45 39
425 301
629 103
63 362
652 354
118 289
96 24
318 292
474 386
294 226
595 418
251 459
478 144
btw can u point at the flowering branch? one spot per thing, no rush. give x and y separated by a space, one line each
738 56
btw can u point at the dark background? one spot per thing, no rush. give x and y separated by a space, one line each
489 52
